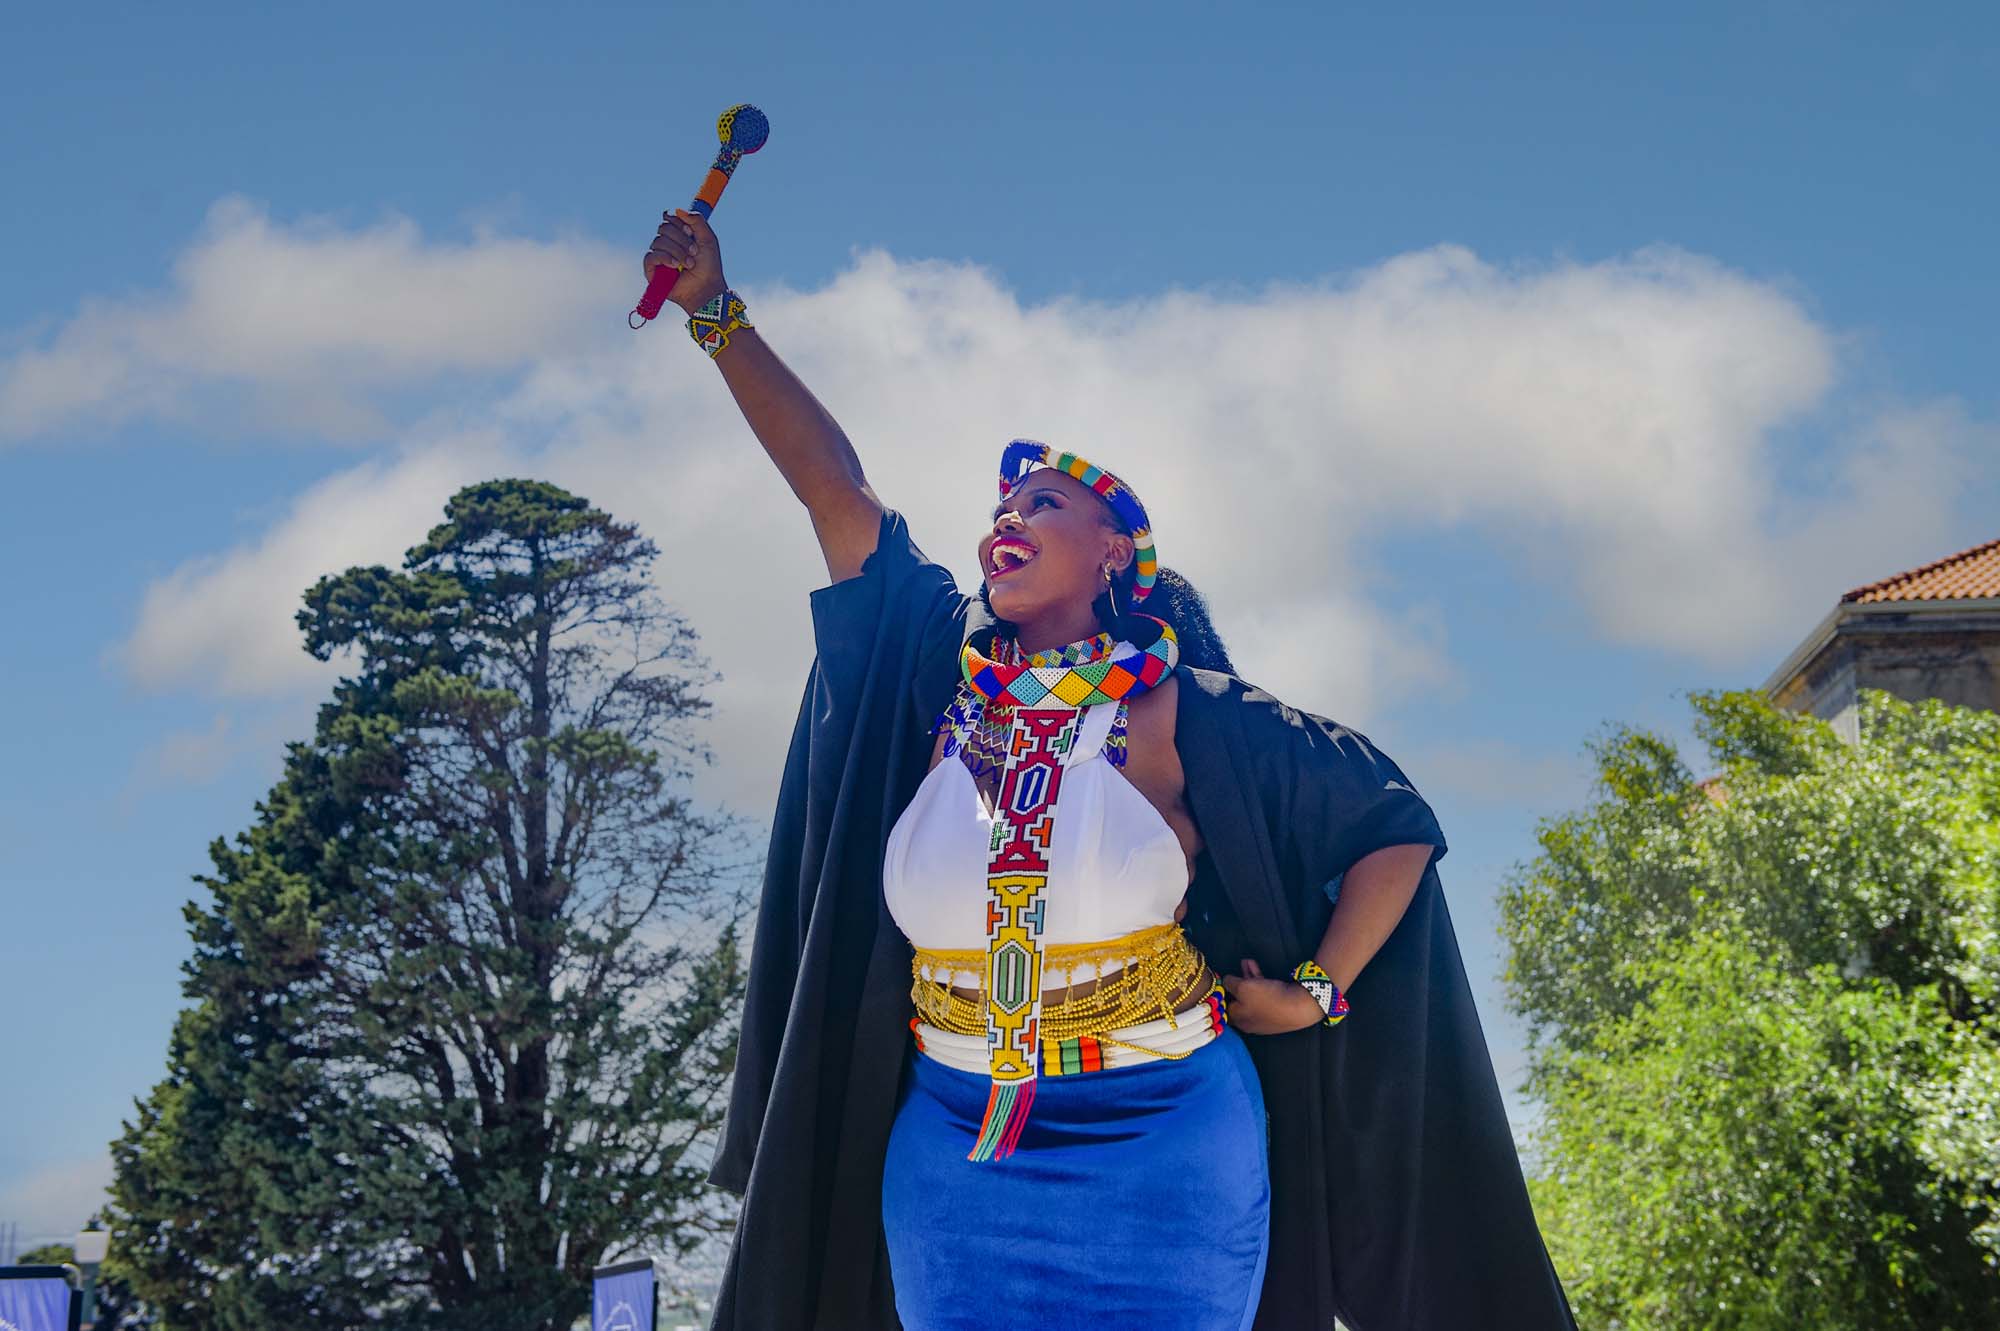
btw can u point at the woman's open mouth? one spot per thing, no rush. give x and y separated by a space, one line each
1008 556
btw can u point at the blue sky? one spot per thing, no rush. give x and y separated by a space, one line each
1499 376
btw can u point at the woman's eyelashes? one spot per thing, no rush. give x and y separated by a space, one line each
1034 500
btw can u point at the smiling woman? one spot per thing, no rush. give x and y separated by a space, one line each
988 1075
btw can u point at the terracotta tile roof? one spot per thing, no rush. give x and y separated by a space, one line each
1969 573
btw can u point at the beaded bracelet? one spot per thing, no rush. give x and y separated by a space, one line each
1324 991
711 325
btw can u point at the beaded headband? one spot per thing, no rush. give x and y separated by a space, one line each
1023 455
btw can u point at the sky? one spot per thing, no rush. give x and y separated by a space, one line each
1499 378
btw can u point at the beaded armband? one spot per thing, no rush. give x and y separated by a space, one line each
1324 991
712 324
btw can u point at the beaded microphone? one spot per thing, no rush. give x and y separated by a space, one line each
742 130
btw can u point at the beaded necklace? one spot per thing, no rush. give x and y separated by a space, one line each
976 733
1019 714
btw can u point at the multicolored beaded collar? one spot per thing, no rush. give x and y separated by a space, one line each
1025 713
1072 683
1008 652
1023 455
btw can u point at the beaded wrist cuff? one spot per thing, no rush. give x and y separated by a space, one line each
712 324
1324 991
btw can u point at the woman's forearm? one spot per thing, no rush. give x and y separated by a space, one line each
1373 896
810 449
802 437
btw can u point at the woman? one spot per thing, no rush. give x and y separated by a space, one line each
935 1116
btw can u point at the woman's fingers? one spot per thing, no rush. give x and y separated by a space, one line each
1252 987
673 233
1258 1006
675 243
672 249
685 241
697 226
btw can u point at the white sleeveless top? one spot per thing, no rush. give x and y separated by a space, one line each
1115 865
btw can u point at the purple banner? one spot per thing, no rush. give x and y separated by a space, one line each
34 1303
622 1301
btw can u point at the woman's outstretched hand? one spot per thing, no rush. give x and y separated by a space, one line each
1258 1006
687 242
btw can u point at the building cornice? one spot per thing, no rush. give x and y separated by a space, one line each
1845 613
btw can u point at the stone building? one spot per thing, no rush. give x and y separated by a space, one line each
1933 632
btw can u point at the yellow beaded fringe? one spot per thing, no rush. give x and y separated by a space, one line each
1159 966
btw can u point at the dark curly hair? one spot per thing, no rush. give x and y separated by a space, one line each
1173 599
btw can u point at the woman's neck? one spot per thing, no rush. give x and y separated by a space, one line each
1055 631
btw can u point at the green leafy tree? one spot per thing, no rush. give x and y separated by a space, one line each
1962 1115
463 997
49 1254
1762 1023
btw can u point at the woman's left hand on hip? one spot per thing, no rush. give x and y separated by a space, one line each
1260 1006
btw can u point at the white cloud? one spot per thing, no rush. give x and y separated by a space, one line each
1623 433
302 329
225 623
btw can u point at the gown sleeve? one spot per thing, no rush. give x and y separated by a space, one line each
883 638
1369 802
900 602
1406 1202
1359 802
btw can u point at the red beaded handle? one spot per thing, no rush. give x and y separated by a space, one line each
657 289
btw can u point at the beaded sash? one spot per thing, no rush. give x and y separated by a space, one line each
1151 972
1039 701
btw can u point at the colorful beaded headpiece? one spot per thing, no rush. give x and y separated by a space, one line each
1023 455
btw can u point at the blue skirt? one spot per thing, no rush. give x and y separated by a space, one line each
1137 1196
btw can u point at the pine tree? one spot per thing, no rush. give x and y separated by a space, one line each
463 997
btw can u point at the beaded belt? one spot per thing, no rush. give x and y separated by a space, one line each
1128 1017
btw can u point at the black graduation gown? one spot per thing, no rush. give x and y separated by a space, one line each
1397 1196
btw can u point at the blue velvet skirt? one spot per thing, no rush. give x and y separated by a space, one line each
1137 1196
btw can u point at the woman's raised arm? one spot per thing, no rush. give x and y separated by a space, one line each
801 436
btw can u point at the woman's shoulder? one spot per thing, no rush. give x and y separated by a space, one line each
896 575
1220 698
1219 695
1320 779
901 616
893 558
